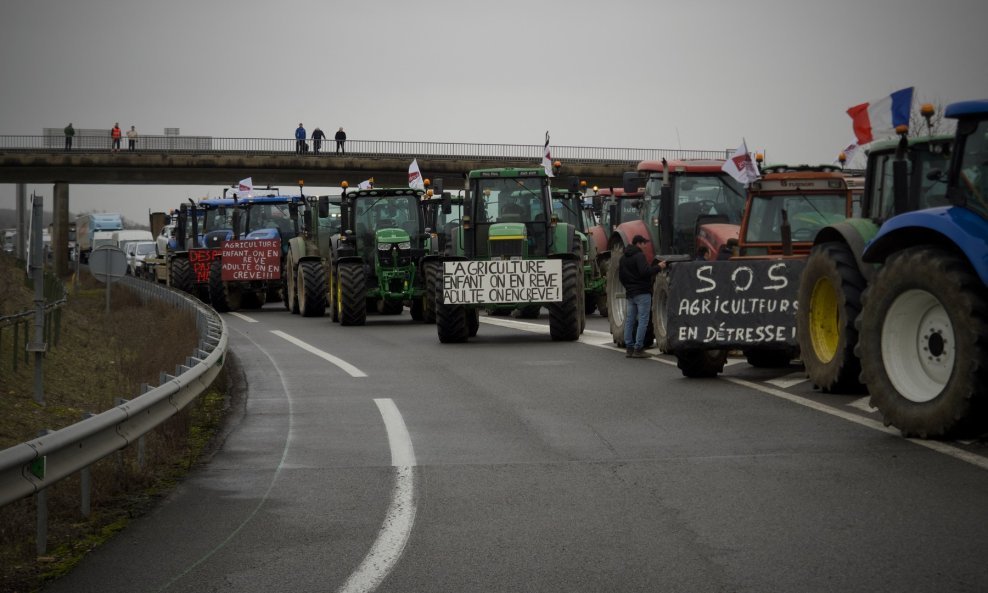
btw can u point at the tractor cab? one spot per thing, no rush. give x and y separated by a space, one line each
510 214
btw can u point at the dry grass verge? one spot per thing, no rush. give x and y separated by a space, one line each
98 359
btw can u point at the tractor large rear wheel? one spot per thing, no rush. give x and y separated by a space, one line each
566 316
617 303
660 301
180 275
352 294
699 364
829 304
924 343
224 296
311 285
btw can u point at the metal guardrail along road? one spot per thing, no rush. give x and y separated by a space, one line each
33 466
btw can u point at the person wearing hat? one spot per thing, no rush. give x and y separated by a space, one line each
636 276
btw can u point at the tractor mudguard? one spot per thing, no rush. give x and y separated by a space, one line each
952 226
855 233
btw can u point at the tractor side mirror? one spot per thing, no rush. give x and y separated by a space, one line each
293 210
573 184
236 224
629 181
447 203
323 206
437 186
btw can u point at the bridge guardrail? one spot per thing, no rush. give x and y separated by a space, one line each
32 466
53 142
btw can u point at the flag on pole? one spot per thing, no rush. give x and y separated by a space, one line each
849 153
366 184
415 176
741 166
547 157
246 186
878 119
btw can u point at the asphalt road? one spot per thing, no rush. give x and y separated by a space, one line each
376 458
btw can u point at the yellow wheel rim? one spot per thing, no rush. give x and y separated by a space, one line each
824 320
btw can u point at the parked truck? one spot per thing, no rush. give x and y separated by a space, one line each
510 251
87 225
923 328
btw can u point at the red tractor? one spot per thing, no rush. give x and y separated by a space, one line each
686 204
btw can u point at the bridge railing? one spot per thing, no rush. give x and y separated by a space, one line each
55 143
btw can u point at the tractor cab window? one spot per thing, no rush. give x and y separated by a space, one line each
510 199
271 216
376 212
972 179
331 224
569 209
213 220
807 214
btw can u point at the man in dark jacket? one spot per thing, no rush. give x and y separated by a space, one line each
636 275
340 140
317 136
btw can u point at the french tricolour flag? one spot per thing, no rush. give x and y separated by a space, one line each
875 120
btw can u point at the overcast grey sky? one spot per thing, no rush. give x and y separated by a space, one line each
618 73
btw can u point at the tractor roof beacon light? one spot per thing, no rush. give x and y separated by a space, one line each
927 110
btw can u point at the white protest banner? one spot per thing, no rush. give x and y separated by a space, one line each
503 281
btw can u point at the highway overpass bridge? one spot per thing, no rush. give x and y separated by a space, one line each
202 160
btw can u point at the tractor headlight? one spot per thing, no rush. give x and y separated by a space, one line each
384 246
405 245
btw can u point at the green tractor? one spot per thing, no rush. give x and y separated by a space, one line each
307 262
376 260
442 212
509 252
836 274
568 206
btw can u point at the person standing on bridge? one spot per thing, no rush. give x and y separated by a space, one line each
115 135
300 144
340 139
69 134
636 275
317 136
132 139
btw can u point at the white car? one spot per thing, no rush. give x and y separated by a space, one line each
136 252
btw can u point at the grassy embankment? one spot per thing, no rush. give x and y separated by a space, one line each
97 359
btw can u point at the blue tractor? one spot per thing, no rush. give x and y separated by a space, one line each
923 328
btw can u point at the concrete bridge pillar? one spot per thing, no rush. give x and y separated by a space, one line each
60 229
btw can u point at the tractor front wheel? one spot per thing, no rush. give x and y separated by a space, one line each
566 316
924 342
829 304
